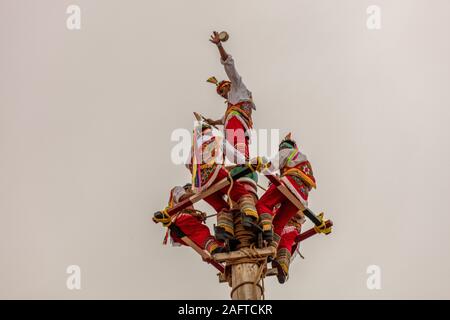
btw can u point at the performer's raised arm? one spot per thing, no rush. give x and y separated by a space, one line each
227 61
216 40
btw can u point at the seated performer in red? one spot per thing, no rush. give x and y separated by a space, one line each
207 168
190 221
296 168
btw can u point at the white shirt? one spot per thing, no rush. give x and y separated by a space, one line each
238 91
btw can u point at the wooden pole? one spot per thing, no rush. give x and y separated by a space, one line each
245 267
244 271
245 281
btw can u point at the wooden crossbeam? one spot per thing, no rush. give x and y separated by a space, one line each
269 273
272 272
236 255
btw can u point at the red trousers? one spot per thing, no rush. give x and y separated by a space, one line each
237 191
287 240
270 199
194 229
235 134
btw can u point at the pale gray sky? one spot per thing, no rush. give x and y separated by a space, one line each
86 118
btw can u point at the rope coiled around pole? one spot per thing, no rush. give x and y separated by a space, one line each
251 256
247 247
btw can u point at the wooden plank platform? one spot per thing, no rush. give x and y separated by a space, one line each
236 255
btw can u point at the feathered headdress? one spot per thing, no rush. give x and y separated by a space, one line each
288 142
219 85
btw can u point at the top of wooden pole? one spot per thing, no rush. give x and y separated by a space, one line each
250 253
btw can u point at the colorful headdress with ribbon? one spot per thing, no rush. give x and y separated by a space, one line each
219 85
197 152
302 169
288 143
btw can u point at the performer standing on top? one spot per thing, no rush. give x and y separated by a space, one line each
237 120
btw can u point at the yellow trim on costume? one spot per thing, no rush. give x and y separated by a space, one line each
259 166
236 108
300 174
322 227
227 229
251 213
166 220
213 246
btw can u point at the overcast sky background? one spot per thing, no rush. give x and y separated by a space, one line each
86 119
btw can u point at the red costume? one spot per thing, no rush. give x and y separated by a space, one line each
209 170
238 116
287 246
296 168
237 120
190 221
